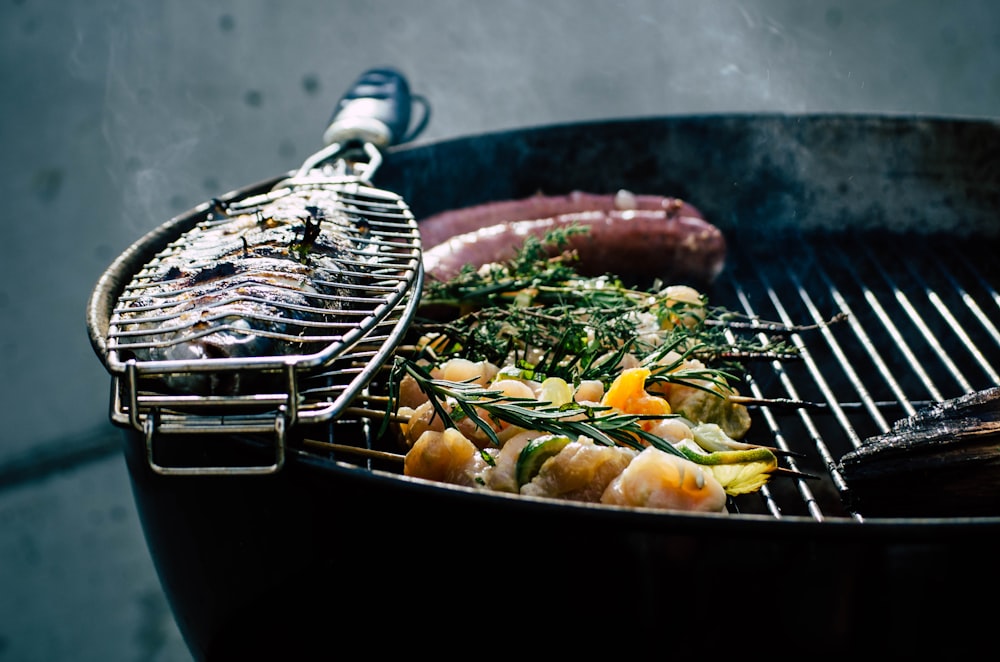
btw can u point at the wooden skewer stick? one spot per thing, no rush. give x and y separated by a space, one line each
399 458
409 349
791 473
747 400
786 402
368 397
354 450
376 413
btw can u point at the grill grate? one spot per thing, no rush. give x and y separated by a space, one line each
920 318
888 323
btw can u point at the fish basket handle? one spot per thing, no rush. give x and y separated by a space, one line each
375 110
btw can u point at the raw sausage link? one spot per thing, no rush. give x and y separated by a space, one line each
440 227
636 243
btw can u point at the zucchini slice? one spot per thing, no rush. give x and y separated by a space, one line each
534 454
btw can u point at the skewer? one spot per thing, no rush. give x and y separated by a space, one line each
400 418
791 473
354 450
785 403
384 399
409 349
397 457
377 414
745 400
749 401
779 451
753 324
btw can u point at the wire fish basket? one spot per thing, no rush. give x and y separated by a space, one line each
269 309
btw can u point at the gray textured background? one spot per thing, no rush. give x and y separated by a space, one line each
118 115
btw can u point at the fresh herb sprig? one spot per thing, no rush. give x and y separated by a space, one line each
538 310
473 401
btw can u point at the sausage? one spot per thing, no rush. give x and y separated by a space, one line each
440 227
668 240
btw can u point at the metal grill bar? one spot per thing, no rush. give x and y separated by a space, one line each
893 330
978 313
966 339
812 506
918 327
925 331
840 353
780 441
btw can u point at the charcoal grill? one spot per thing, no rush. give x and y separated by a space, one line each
886 224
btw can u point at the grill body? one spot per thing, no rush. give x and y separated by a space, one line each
298 562
889 220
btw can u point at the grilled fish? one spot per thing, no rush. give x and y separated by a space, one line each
943 460
267 281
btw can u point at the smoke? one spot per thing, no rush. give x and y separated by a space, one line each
744 58
195 96
155 117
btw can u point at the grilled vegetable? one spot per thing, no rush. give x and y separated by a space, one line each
738 471
535 453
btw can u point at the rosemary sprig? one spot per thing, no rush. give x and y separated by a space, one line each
306 238
539 306
599 423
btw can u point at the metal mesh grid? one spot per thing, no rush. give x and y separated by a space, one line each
376 271
918 324
340 347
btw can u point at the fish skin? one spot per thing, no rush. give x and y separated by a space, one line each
933 428
944 460
984 404
215 289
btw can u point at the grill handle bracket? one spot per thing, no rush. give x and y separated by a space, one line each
280 444
150 425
